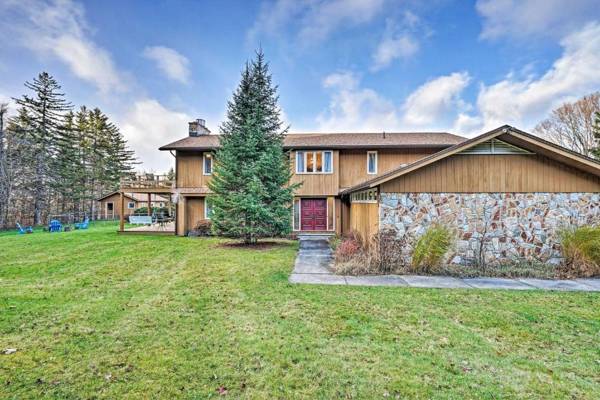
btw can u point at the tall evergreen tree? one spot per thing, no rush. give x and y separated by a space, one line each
251 177
55 161
45 110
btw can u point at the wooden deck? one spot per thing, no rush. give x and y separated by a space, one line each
154 229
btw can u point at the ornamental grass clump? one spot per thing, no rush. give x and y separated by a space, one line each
581 252
431 248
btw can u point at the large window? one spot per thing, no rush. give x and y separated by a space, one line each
371 162
208 163
314 162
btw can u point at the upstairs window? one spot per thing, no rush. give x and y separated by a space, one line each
314 162
371 162
208 164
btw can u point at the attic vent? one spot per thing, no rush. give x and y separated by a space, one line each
495 146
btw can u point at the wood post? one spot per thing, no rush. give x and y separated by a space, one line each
149 204
121 212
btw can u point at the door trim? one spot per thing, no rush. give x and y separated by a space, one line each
326 223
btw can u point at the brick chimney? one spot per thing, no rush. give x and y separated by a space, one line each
198 127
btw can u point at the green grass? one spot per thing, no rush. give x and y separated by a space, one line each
98 315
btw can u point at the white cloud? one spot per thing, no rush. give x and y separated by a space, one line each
526 102
325 17
434 99
147 125
526 18
274 16
313 20
393 47
467 124
353 108
59 28
398 42
172 63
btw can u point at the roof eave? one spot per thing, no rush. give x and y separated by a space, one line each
324 147
505 129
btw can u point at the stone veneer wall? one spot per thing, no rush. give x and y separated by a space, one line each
512 226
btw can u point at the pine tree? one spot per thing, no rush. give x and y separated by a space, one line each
252 195
171 174
54 160
45 110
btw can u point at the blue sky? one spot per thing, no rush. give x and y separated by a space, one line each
341 65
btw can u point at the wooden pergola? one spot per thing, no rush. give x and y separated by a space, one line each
149 185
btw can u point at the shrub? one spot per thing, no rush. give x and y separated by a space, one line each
383 255
581 252
202 228
347 249
385 251
155 210
334 242
430 249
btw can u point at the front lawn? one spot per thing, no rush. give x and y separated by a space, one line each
94 314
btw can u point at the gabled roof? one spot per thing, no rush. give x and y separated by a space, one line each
505 133
357 140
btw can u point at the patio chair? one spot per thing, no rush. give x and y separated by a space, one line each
55 226
24 230
84 224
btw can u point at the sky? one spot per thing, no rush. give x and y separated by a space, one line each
341 65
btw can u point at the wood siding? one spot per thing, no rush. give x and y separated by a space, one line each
102 213
494 173
331 213
194 212
317 184
180 217
349 168
353 163
364 219
190 170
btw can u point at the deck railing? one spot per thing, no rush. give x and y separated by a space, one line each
147 181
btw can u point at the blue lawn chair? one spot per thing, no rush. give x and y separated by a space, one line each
84 224
22 231
55 226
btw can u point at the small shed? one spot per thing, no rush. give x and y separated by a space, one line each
108 205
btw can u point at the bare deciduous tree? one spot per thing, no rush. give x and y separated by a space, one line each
4 167
572 125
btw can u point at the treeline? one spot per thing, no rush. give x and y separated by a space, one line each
54 160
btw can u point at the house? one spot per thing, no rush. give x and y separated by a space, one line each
108 204
506 193
326 164
519 187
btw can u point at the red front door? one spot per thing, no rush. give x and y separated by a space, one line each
314 214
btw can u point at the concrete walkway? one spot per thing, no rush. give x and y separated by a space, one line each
315 258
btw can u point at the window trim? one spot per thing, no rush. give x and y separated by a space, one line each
204 158
376 162
365 196
294 226
129 207
206 208
305 153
